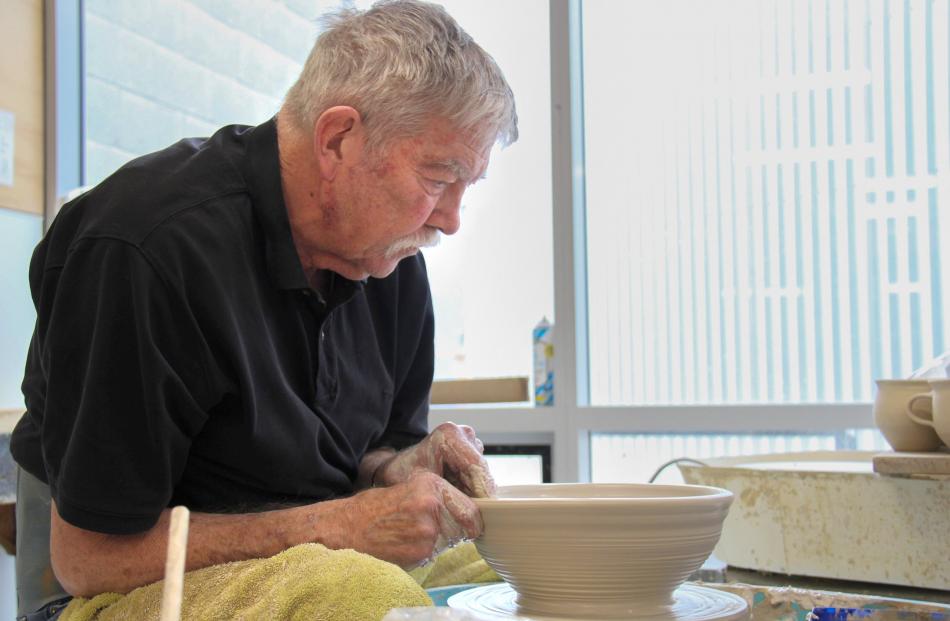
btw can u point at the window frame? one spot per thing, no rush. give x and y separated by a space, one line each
571 420
567 425
65 101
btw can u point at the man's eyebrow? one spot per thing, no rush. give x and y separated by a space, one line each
451 165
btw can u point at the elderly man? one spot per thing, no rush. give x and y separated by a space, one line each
242 324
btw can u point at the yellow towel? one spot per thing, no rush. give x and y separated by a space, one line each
304 582
459 565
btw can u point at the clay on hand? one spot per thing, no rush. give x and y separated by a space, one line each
451 451
410 522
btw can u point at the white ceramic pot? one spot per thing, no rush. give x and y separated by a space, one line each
599 551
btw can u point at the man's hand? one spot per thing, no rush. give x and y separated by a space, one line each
451 451
410 522
420 502
407 523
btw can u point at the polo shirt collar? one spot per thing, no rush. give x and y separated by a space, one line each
262 175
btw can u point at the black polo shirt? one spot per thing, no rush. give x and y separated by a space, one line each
180 357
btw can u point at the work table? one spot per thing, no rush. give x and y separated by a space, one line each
734 574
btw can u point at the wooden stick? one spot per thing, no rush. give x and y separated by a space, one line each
175 565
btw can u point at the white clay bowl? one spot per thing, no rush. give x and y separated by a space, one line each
599 551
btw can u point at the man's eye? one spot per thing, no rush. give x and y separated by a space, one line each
438 185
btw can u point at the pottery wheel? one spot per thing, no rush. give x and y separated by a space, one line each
690 603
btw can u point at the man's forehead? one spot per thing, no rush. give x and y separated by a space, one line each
460 157
462 150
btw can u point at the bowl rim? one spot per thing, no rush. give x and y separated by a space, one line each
712 494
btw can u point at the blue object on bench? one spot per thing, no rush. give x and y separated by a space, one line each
849 614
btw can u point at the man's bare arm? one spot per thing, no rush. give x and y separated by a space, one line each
404 524
87 563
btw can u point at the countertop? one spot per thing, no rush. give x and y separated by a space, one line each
746 576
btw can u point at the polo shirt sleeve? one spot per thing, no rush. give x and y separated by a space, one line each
127 388
409 417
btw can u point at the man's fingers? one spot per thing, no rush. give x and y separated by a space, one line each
470 435
461 518
478 481
451 451
462 460
469 432
458 449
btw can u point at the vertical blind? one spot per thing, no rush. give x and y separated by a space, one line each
768 197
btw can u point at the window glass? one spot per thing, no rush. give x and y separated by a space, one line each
634 458
493 281
767 216
515 469
156 72
159 71
21 232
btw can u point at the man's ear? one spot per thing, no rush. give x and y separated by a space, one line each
338 138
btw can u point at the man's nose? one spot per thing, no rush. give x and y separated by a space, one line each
447 213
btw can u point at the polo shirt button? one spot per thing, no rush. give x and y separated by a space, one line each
323 336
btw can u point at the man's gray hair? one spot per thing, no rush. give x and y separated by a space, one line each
400 64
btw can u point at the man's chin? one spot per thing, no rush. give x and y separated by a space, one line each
372 267
382 269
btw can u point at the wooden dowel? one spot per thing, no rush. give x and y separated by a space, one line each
175 565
